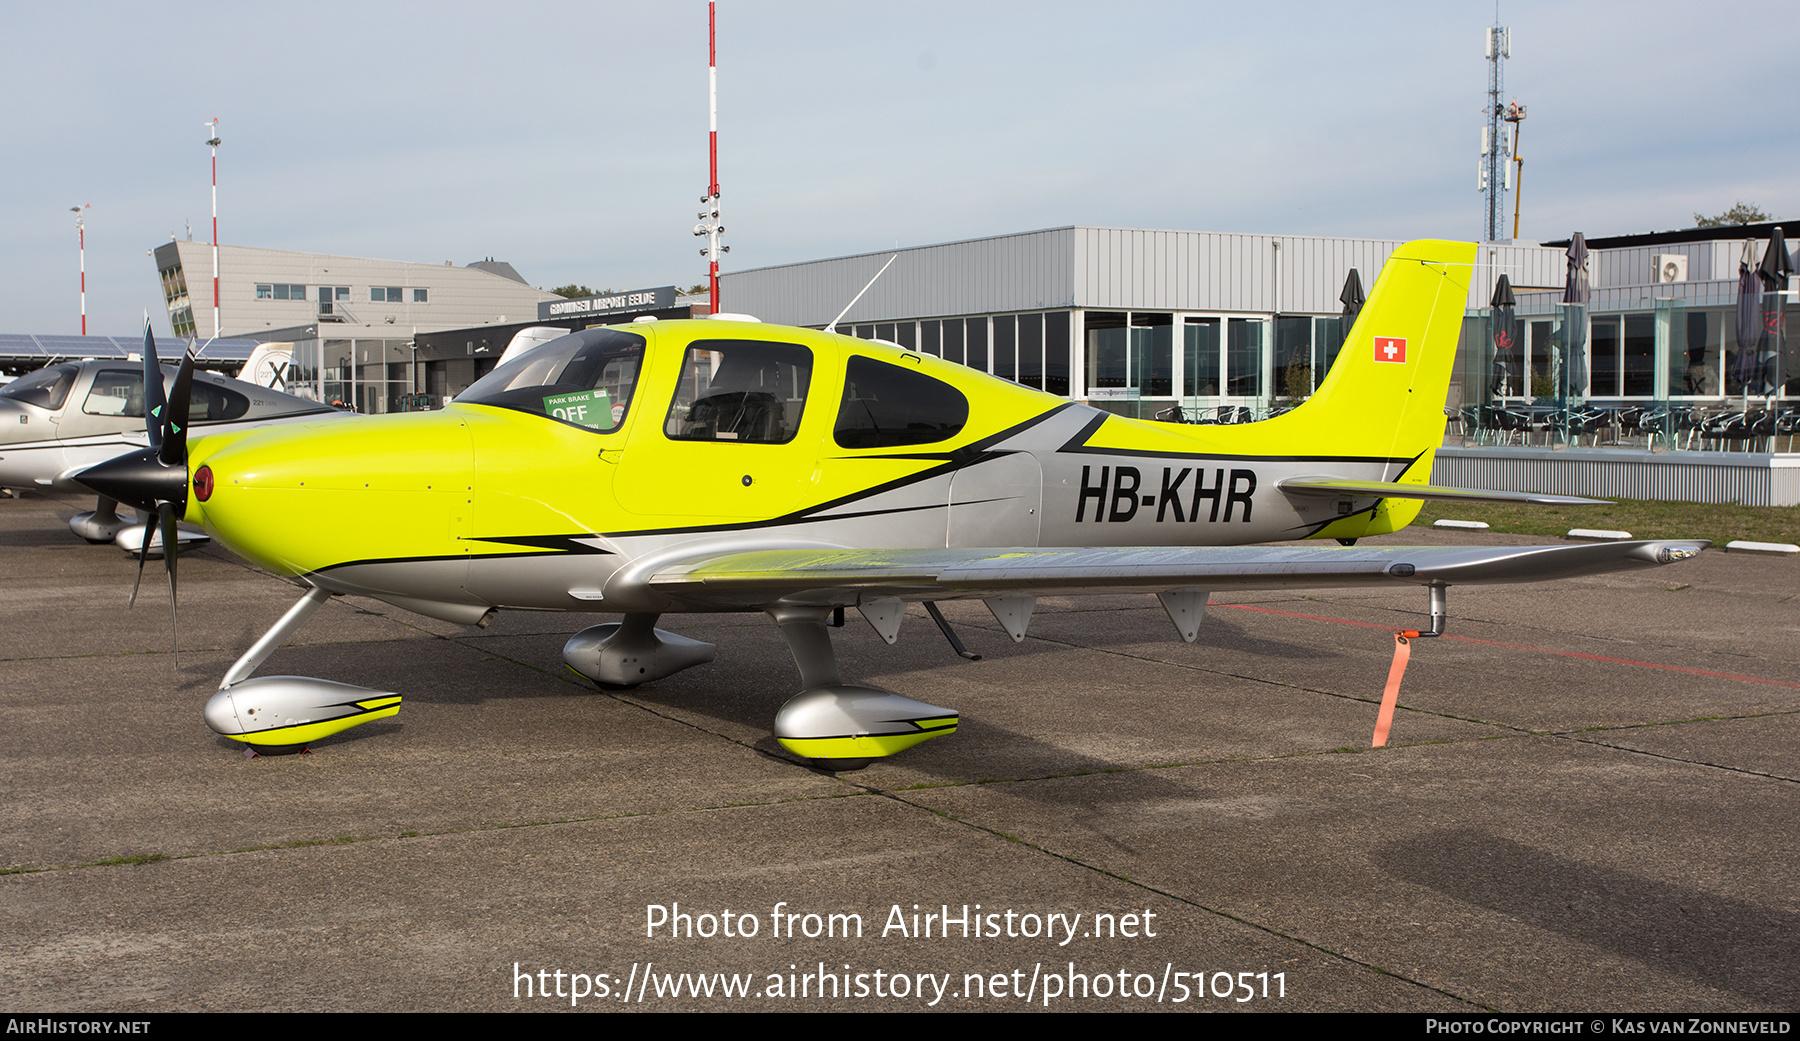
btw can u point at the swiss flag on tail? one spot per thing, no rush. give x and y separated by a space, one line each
1390 348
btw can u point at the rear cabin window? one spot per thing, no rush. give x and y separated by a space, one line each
747 391
214 404
886 406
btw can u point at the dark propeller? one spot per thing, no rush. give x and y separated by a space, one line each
154 479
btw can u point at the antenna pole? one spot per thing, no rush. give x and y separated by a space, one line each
832 328
713 228
81 240
709 227
213 125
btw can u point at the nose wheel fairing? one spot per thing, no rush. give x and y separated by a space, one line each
279 714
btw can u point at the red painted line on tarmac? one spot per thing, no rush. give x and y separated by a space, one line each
1526 647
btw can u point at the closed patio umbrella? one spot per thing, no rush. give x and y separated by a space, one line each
1749 320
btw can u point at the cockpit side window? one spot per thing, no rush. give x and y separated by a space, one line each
585 379
46 388
886 406
748 391
116 392
120 392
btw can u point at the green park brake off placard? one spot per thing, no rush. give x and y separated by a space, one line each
589 408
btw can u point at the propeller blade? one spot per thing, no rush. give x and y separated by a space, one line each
174 444
143 554
165 516
155 403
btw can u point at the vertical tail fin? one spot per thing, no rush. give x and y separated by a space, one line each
1385 394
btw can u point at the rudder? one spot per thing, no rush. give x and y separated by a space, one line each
1397 358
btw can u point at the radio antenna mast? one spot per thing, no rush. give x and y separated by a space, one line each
709 225
1495 168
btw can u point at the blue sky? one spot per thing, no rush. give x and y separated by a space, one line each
570 139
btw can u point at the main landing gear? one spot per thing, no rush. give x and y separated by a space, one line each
830 724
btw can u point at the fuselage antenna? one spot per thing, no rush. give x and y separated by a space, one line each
832 328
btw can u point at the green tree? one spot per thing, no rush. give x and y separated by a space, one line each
1739 214
574 292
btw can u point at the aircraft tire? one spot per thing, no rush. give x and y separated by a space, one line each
838 765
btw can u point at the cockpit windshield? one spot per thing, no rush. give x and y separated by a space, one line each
584 379
45 388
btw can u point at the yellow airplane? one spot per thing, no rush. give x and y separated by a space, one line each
726 465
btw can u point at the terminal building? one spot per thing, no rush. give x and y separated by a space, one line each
1645 389
1131 320
1139 321
352 322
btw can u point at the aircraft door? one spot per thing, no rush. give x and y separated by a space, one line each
730 445
551 474
112 401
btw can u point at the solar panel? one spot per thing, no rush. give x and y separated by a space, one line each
24 346
67 344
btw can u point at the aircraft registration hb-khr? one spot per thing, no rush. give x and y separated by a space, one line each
727 465
66 417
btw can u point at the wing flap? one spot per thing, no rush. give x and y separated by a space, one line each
1327 487
850 576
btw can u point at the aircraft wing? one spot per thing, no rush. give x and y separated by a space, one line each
846 577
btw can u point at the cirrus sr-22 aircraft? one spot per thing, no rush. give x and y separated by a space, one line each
662 467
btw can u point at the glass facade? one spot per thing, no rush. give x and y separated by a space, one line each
1147 364
370 376
1668 374
1031 349
1668 350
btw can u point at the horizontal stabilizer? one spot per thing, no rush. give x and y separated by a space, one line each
847 576
1326 487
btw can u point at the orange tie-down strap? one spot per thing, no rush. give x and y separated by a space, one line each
1391 696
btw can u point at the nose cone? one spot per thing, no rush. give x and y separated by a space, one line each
138 478
221 714
307 497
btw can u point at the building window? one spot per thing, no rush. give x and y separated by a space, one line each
387 294
284 292
265 292
419 296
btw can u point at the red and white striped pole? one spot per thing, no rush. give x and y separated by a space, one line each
213 125
81 239
713 228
